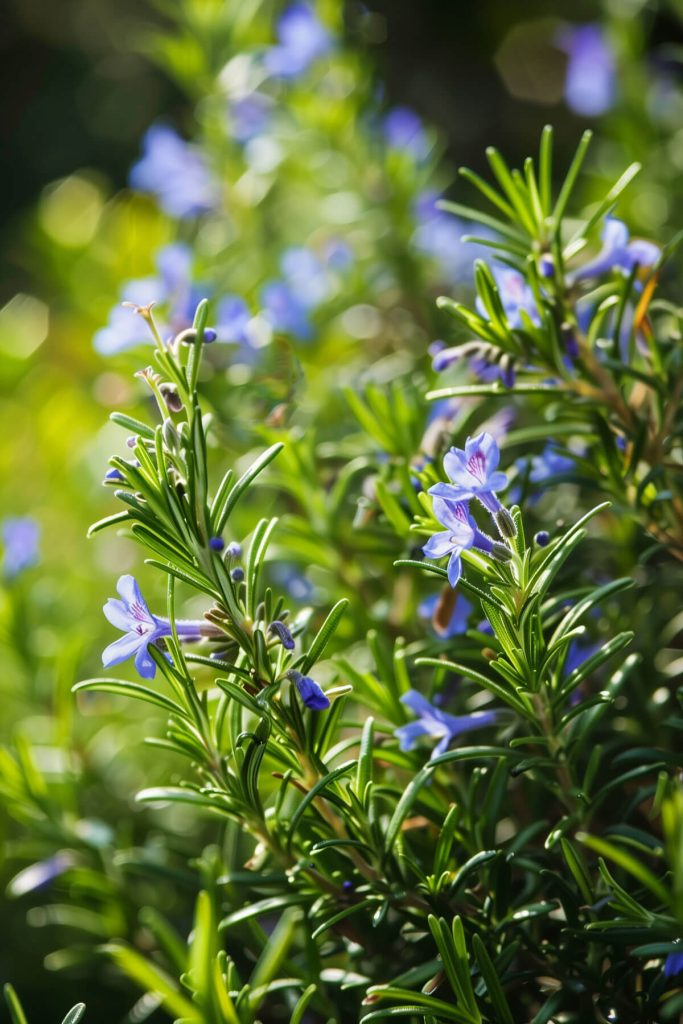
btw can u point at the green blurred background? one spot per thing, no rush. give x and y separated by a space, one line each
82 81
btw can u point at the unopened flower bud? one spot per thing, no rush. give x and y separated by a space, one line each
171 397
237 574
170 434
216 543
542 538
113 476
505 524
285 637
132 440
309 691
189 336
547 265
233 550
500 552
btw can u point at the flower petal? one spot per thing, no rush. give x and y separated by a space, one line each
438 545
454 568
408 735
117 613
123 648
417 703
451 492
144 662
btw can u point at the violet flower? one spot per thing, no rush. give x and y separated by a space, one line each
302 39
403 130
515 295
548 464
457 623
175 172
284 311
591 84
473 473
310 692
132 616
617 252
436 724
461 533
673 965
20 537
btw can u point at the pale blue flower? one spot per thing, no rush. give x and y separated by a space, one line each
548 464
618 252
306 277
456 625
591 83
515 295
473 473
460 534
302 39
250 116
403 130
141 628
176 173
437 724
439 235
284 311
20 537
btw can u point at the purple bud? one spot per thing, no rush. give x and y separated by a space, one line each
209 335
171 397
216 543
233 550
347 886
309 691
131 441
283 634
542 538
237 574
113 476
547 265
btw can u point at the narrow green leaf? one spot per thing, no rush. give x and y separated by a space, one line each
323 636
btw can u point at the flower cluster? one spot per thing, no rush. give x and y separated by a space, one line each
473 473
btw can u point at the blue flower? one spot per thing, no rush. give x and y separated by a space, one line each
250 116
438 235
460 534
174 172
307 278
309 691
548 464
457 623
590 85
172 286
141 628
673 965
473 473
302 39
284 311
436 724
404 131
617 252
515 295
20 538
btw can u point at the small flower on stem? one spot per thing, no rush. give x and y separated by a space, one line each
437 724
473 473
141 628
309 691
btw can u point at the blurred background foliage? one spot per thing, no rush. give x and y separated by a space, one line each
84 80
